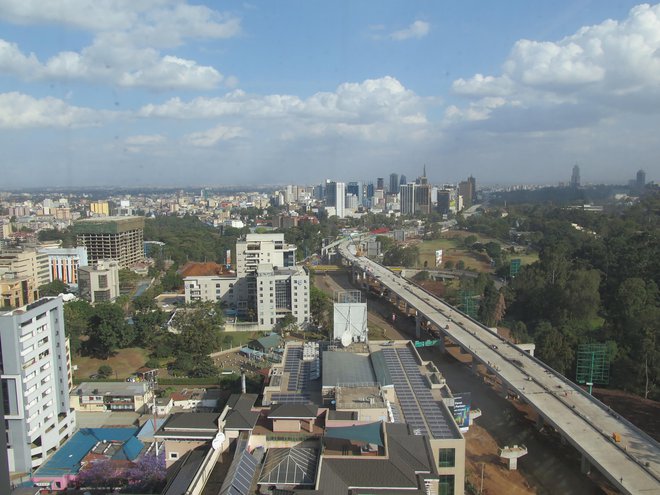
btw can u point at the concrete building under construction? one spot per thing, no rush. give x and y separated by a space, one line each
115 238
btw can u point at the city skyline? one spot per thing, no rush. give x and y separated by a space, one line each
167 94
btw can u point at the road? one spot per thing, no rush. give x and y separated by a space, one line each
633 465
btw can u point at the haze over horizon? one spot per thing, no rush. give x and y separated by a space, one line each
119 93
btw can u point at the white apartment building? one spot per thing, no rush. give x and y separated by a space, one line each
35 369
211 288
281 292
267 285
263 248
99 282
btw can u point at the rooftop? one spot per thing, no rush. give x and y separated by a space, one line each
346 368
195 425
67 459
208 269
111 388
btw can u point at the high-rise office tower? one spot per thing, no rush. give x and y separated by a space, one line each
640 180
356 189
466 189
335 195
575 176
402 180
35 366
380 183
394 183
407 198
112 238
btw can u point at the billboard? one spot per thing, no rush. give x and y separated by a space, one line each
438 257
461 409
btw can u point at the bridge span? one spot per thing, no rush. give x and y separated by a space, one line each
632 465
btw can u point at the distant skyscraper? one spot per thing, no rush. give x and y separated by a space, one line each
575 176
356 189
407 199
641 179
380 183
402 180
466 189
335 195
394 183
370 190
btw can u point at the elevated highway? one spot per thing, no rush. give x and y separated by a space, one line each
632 465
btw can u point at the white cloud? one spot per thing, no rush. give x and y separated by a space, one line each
145 139
118 65
369 101
417 29
213 136
127 43
596 72
158 22
20 111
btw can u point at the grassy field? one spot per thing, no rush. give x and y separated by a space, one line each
454 250
123 363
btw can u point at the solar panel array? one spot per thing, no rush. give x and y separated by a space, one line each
292 366
298 385
240 475
420 410
290 398
435 417
411 412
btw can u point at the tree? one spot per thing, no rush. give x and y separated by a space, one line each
488 305
469 241
449 265
200 328
203 367
54 288
460 265
76 322
320 307
553 348
108 330
171 281
500 307
147 475
105 371
101 474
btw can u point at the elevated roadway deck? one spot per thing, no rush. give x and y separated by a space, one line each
633 465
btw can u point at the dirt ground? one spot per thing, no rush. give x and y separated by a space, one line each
123 363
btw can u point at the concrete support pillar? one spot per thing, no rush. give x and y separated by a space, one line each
585 465
563 440
441 344
474 366
418 325
539 422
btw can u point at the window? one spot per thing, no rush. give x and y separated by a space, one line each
174 455
446 484
447 458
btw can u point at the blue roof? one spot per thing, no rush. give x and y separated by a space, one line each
147 430
67 459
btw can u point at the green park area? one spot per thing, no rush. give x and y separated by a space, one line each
454 251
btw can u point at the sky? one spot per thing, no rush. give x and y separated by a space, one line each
181 93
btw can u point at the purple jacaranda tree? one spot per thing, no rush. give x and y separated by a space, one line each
147 475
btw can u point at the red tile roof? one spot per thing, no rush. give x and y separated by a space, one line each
196 269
